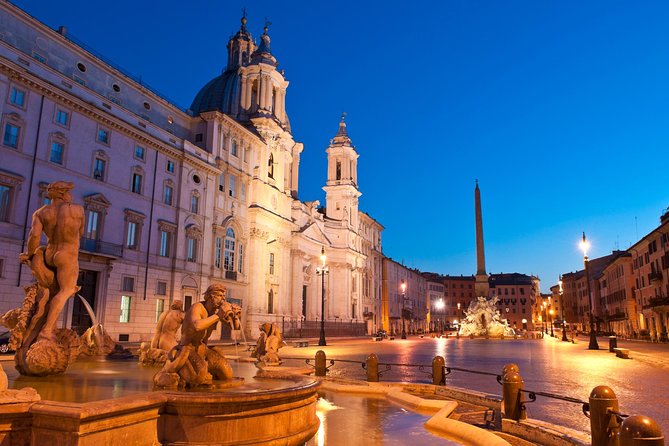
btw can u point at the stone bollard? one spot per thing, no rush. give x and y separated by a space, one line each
321 370
457 335
372 368
501 336
438 376
613 343
638 430
512 384
603 424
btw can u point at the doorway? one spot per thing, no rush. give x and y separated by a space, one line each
81 321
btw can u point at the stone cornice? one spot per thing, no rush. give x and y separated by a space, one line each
49 90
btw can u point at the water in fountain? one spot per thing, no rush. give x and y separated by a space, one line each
483 319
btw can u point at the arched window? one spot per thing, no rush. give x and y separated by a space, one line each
229 251
270 302
270 166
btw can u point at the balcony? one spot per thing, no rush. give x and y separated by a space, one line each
231 275
100 247
655 302
655 276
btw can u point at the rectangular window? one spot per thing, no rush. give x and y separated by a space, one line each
62 117
192 250
99 169
56 155
271 263
232 191
38 57
125 309
11 136
221 183
103 136
165 239
131 240
240 259
233 150
139 152
338 171
167 195
5 202
137 183
170 166
128 284
17 97
161 288
194 203
92 230
217 254
160 307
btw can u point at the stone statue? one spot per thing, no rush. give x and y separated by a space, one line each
483 319
96 342
11 396
191 363
41 348
165 337
268 345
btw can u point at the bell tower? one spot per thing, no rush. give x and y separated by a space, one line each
341 189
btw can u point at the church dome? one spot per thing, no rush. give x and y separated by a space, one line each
218 94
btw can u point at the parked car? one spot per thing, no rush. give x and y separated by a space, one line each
4 342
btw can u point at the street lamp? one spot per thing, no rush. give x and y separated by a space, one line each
564 323
403 287
593 337
544 326
439 305
551 313
322 271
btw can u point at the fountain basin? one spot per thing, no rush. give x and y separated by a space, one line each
251 411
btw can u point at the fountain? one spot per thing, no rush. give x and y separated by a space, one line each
219 409
483 319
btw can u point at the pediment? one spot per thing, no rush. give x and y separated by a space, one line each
98 199
314 232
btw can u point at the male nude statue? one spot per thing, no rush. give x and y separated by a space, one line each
58 263
189 358
168 324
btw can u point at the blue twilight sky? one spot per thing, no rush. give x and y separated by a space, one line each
559 108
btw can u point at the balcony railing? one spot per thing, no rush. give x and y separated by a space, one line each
100 247
654 302
655 276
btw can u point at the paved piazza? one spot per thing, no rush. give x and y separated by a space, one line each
546 365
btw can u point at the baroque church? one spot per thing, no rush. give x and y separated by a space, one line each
178 199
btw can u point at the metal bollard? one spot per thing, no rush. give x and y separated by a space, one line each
511 367
613 343
603 424
372 368
512 384
321 370
638 430
438 376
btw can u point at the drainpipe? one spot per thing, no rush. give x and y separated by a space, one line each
148 245
30 187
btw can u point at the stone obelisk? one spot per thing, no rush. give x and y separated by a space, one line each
481 287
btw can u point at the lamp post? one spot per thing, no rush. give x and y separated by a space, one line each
564 325
551 313
544 325
439 305
593 336
403 287
322 271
